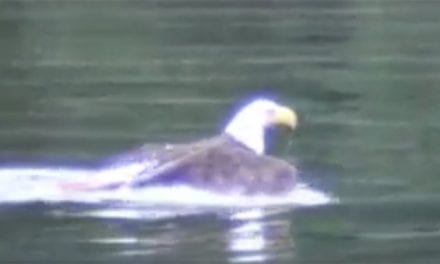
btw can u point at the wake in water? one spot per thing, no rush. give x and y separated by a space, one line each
30 184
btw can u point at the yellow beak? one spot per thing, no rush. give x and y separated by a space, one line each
284 116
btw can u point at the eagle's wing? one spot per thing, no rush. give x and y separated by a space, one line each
223 166
140 164
156 155
219 164
173 165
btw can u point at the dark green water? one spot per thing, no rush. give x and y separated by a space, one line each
84 79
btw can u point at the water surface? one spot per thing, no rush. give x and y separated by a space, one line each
83 80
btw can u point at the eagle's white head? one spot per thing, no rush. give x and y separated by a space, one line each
249 124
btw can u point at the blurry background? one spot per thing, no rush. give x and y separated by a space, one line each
84 79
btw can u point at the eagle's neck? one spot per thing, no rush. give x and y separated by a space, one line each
247 132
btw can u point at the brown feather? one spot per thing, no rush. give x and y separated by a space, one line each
220 164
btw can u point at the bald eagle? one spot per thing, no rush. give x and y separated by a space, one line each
232 162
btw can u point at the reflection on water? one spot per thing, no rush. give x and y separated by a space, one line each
247 241
261 236
252 238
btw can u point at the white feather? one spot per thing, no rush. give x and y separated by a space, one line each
248 125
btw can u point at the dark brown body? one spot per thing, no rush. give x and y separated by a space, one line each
219 164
